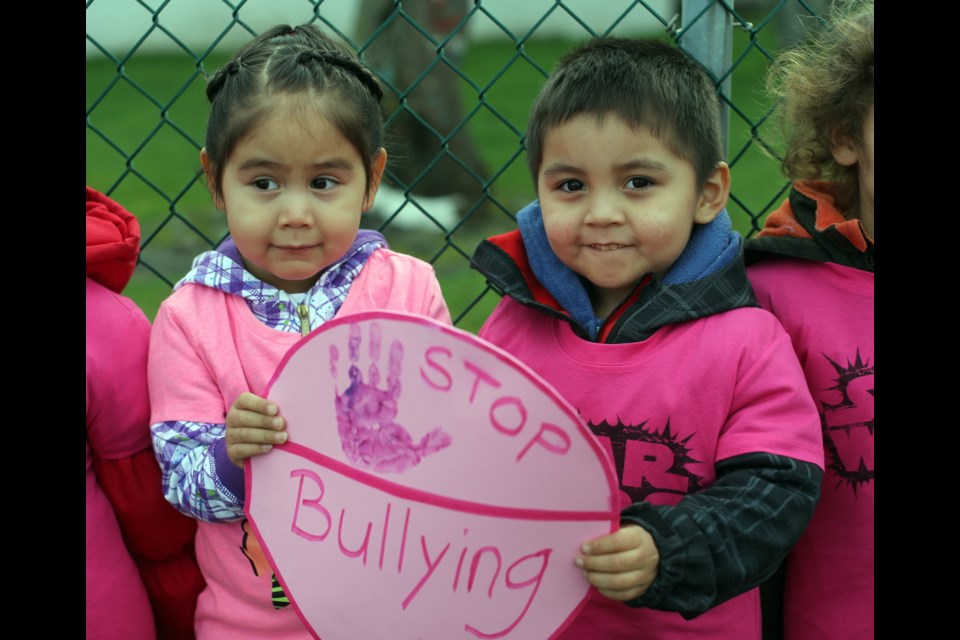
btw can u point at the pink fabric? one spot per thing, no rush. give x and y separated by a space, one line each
828 311
207 348
117 335
713 388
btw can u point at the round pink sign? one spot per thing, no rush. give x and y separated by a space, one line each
432 486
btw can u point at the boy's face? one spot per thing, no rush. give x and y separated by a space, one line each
617 203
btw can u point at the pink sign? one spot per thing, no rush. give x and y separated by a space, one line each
432 486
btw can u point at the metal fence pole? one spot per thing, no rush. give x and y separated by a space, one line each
707 34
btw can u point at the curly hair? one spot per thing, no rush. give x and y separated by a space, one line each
824 89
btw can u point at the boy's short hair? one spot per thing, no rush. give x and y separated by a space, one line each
648 83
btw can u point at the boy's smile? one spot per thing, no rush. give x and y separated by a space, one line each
617 203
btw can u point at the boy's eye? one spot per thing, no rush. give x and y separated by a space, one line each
638 182
571 185
322 184
265 184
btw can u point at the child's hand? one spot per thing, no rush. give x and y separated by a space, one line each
621 565
253 427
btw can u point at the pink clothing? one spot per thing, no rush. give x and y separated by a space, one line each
671 406
128 518
207 349
117 334
828 310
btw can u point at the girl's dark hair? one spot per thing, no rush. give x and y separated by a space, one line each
292 60
647 83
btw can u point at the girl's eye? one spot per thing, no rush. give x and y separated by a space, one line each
638 182
265 184
569 186
322 184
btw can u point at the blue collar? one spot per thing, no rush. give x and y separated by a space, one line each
711 246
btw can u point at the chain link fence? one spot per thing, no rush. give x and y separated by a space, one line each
460 78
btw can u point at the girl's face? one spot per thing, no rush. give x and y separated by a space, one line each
293 191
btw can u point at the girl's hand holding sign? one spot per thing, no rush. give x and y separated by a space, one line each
431 486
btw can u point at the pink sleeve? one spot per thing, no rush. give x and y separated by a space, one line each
772 408
396 281
182 386
434 304
118 408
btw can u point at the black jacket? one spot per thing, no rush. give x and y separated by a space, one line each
807 225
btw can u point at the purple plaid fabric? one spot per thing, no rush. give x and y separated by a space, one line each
223 270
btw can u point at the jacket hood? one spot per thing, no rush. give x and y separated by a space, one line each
223 269
707 278
808 225
113 241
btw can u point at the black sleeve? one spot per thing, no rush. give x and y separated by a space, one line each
730 537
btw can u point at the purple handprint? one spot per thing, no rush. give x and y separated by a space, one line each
366 414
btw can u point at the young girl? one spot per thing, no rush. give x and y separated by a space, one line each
293 156
813 268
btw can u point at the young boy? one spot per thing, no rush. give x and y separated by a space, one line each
625 288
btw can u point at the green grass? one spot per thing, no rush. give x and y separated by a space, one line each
144 131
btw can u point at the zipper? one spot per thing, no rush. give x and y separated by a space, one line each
304 312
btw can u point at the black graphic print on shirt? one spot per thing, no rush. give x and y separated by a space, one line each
652 464
846 414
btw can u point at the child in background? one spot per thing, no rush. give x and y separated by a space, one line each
142 577
294 154
625 288
812 266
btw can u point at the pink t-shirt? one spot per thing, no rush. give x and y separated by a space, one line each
117 411
667 409
828 311
207 349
